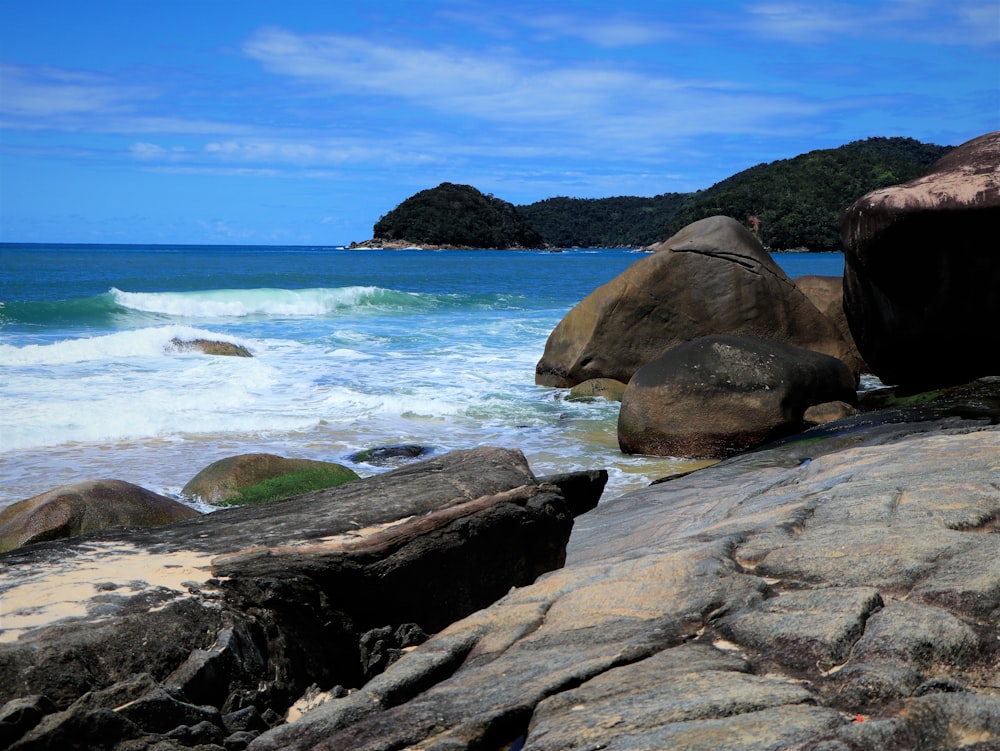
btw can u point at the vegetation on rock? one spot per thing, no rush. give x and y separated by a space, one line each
457 215
291 484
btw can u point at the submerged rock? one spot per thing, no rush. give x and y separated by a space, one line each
211 347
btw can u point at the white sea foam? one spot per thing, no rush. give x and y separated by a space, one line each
146 342
240 303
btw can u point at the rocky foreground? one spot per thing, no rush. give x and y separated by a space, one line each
838 591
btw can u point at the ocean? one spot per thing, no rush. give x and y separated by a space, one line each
352 349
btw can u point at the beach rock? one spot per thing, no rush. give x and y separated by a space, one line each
718 395
818 414
223 479
602 388
747 605
712 277
922 271
389 456
211 347
83 507
249 606
827 294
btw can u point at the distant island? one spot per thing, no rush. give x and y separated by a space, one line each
790 204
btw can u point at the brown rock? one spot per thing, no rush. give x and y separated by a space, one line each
922 271
210 347
827 294
719 395
712 277
84 507
603 388
818 414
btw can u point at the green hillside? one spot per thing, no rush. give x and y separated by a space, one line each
798 202
790 203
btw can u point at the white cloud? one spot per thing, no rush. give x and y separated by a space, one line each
47 92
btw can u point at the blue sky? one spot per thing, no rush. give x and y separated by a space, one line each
302 122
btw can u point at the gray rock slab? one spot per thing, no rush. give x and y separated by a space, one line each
836 594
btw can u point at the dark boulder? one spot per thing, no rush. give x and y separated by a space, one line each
922 271
718 395
84 507
712 277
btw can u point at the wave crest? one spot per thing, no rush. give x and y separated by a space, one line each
241 303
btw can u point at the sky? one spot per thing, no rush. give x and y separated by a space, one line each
302 122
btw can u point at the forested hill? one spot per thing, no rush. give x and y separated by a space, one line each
457 215
792 203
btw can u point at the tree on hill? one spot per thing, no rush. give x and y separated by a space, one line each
797 202
457 215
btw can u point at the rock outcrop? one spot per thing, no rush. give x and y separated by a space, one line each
716 396
922 271
839 593
248 607
712 277
223 479
84 507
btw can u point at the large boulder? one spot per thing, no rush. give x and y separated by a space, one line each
223 479
718 395
250 606
712 277
83 507
922 271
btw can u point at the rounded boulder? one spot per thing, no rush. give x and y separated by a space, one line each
225 478
719 395
712 277
84 507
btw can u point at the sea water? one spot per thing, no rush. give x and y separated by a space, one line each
352 349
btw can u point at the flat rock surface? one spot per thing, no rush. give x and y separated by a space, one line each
841 594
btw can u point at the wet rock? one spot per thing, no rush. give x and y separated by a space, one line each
712 277
84 507
597 388
389 456
211 347
922 273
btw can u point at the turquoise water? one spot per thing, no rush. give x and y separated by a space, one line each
351 349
